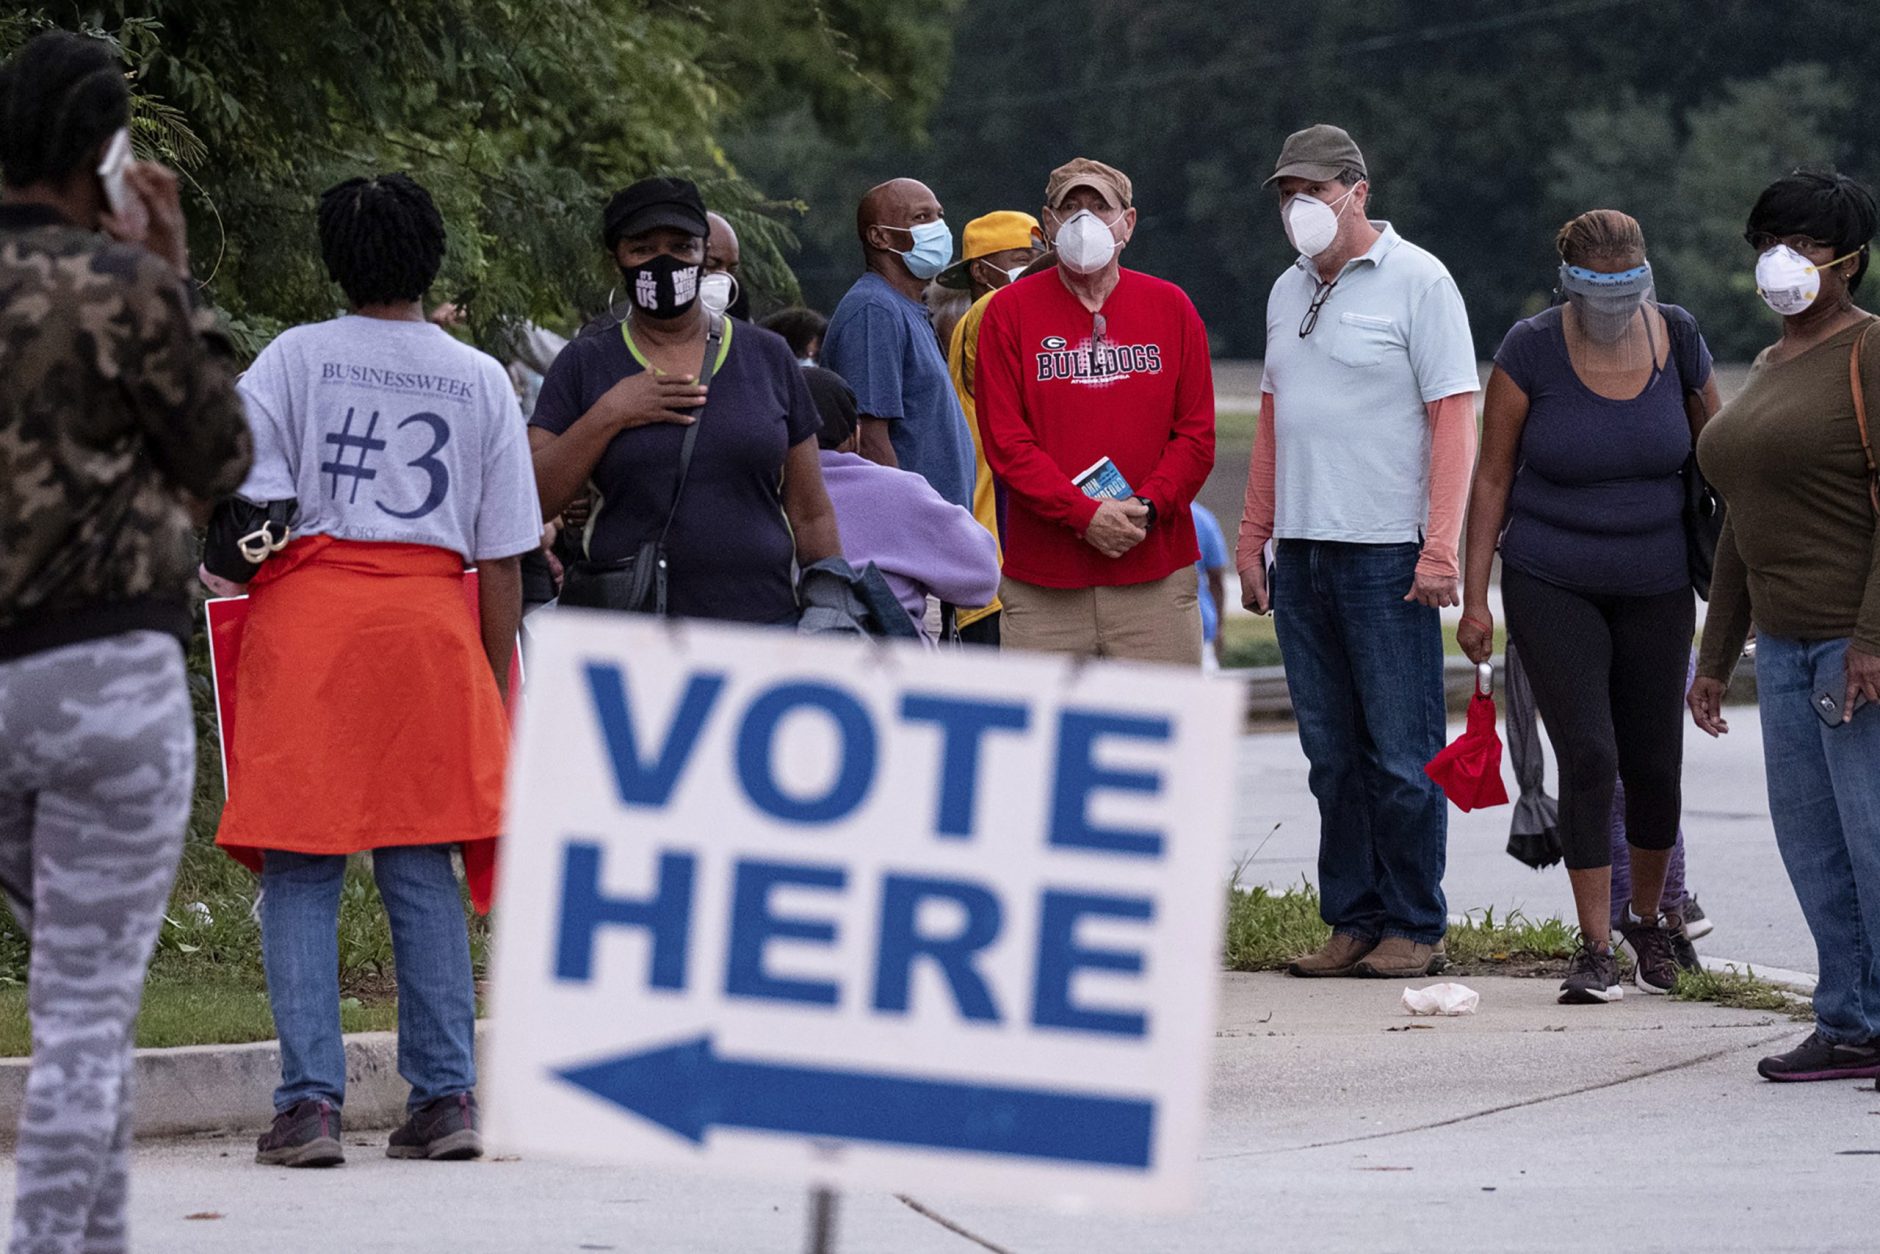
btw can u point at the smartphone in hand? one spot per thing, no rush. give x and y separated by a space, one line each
133 220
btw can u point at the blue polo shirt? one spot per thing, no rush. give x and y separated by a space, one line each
884 344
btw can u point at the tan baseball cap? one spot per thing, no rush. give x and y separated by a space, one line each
1318 153
1083 172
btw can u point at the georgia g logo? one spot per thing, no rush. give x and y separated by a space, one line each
1053 343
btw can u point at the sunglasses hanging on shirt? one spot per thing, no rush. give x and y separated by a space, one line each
1311 320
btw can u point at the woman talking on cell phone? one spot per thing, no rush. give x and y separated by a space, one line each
1792 455
118 414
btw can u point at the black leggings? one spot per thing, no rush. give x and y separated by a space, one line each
1608 679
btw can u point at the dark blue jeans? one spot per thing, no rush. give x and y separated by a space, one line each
1365 669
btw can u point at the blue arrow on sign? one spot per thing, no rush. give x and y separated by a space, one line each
688 1089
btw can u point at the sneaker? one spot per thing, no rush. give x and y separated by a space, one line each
1400 958
445 1129
1697 924
1816 1059
1335 957
1592 978
1682 951
1655 961
306 1134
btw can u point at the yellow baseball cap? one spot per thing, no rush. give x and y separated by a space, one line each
993 233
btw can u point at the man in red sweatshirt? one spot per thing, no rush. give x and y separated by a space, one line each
1096 410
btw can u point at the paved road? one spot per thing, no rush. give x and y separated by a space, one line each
1732 860
1523 1128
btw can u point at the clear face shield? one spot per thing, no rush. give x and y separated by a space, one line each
1607 305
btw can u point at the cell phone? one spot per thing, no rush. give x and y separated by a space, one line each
117 159
1831 700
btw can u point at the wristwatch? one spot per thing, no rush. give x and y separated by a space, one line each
1150 506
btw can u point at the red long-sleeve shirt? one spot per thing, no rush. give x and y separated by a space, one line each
1055 397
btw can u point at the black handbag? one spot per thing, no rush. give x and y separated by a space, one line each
637 583
242 534
1703 508
1703 525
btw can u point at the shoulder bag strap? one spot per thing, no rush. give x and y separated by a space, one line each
714 340
1860 415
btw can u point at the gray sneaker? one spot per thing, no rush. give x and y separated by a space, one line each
1697 924
306 1134
1654 957
1592 978
445 1129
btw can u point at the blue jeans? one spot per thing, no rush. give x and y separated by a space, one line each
430 944
1365 669
1824 799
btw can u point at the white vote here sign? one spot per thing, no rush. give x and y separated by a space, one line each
861 915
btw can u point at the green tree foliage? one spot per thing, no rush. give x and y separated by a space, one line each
1690 181
520 116
1486 123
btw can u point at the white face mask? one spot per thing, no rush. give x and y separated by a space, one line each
1311 224
716 291
1085 243
1788 282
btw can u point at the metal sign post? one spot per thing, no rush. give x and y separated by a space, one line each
822 1221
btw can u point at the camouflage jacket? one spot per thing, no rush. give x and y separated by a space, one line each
117 405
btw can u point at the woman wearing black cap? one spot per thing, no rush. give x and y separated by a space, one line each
730 512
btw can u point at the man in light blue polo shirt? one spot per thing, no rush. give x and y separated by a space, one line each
1361 473
881 342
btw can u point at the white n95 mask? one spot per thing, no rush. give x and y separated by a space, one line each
1788 282
1086 243
1311 224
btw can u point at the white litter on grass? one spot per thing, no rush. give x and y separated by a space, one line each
1441 999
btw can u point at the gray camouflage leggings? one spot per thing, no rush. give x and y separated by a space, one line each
97 766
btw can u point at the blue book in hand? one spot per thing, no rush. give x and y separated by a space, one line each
1104 482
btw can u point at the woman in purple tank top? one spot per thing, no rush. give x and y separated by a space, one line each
1589 420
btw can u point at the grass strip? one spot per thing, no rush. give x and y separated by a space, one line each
1742 991
196 1011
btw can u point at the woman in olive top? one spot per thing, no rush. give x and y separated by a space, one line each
1800 557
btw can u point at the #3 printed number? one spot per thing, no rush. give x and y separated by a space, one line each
364 447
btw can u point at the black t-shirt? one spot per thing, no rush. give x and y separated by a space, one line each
730 549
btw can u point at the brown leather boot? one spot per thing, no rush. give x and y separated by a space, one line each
1335 957
1400 958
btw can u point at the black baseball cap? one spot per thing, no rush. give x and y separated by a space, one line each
652 203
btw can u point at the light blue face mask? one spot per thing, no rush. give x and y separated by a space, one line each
932 250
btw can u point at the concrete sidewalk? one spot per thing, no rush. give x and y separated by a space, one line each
1529 1126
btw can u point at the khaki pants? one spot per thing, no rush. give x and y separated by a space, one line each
1158 621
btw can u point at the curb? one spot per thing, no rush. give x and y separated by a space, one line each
195 1090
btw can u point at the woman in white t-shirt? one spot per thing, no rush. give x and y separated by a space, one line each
369 714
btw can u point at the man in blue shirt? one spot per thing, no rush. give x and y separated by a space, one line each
1211 576
881 342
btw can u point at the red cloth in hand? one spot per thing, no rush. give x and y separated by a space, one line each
1470 769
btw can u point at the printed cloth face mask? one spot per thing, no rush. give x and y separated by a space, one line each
663 287
1789 282
933 247
1606 304
1085 242
1311 224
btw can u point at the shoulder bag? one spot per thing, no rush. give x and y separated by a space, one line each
1703 508
1860 416
637 583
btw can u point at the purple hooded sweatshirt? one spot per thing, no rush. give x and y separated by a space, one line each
923 543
